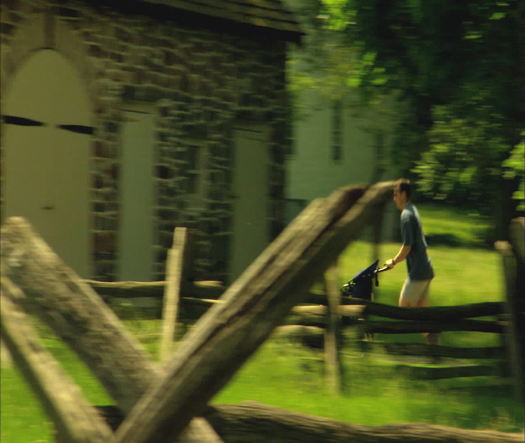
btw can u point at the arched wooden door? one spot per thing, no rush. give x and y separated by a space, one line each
47 123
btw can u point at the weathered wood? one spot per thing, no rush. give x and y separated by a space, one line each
430 373
76 313
405 327
517 307
352 308
332 336
436 313
212 290
517 237
175 278
297 330
350 316
253 305
206 290
513 259
257 423
315 315
200 431
417 349
131 289
75 419
198 289
128 289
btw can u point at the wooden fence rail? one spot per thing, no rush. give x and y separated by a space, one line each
309 323
154 289
52 291
253 422
317 323
433 313
75 419
350 311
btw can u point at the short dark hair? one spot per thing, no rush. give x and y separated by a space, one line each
404 185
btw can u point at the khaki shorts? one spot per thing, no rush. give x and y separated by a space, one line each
414 293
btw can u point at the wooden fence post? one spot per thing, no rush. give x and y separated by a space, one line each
513 257
75 419
332 335
176 276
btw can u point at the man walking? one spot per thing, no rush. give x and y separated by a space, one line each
415 290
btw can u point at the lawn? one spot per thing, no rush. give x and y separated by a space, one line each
290 376
375 392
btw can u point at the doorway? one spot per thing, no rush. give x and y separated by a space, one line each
47 123
250 222
135 243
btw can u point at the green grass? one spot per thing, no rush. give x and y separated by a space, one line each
22 419
374 394
291 377
454 226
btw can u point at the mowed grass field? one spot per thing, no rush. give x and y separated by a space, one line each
376 392
290 376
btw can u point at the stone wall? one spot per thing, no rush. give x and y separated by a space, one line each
200 82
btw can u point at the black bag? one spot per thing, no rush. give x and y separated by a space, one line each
361 285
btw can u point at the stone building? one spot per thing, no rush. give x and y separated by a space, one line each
124 119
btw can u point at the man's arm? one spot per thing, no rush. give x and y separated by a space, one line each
400 256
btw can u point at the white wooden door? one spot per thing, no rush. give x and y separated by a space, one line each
136 196
251 202
47 120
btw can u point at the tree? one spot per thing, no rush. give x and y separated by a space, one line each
460 68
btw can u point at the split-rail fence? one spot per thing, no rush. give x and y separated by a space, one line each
169 402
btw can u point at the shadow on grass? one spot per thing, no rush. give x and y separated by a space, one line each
455 241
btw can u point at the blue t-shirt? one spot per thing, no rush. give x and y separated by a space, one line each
418 264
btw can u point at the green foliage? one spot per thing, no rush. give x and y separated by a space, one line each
327 64
459 67
515 169
463 163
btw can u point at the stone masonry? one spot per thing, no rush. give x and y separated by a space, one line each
199 81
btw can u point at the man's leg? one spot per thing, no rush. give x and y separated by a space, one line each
415 293
431 338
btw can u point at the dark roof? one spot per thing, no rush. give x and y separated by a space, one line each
270 15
